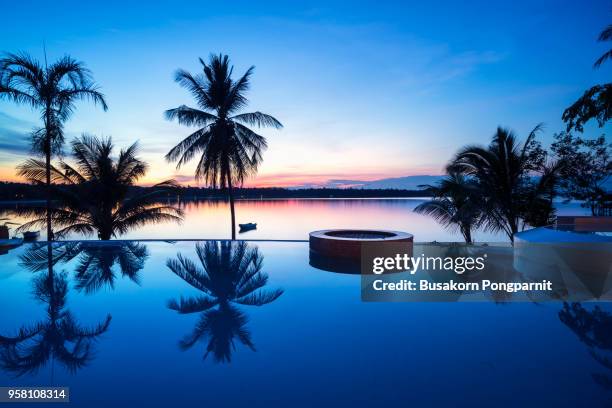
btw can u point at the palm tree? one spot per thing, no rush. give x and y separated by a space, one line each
455 204
230 272
53 91
229 151
58 338
96 261
605 35
504 172
96 195
96 267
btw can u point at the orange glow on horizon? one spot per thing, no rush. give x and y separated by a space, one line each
8 174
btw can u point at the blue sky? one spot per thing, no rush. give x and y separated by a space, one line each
365 90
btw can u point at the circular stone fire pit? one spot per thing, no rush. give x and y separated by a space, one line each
340 250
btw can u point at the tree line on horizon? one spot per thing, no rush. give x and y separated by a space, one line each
505 186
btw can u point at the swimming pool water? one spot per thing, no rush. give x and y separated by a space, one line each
312 343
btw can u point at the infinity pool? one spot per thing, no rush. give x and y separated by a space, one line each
252 324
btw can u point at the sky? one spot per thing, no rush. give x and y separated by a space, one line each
365 90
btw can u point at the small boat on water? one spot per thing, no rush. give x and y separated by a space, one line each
31 235
248 226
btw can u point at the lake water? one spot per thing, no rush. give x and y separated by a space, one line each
294 219
317 344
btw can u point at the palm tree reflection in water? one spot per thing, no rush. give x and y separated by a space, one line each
59 337
96 261
230 274
593 328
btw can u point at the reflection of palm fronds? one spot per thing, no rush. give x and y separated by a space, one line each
228 272
36 257
96 262
594 328
60 337
220 326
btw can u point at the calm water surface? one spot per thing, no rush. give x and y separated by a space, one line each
317 344
294 219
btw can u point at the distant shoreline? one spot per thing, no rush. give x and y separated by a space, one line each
20 193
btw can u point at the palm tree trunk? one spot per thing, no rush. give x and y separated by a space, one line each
230 193
48 131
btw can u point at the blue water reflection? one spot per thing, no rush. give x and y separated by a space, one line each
316 343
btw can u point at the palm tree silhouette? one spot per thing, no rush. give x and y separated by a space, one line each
504 172
605 35
53 91
58 338
96 261
230 273
96 196
230 151
455 204
95 269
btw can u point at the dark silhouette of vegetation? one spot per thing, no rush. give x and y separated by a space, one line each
14 192
605 35
588 167
512 197
229 151
229 273
94 195
59 337
52 90
595 103
98 263
593 328
455 204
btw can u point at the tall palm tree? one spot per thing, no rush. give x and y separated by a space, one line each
505 173
455 204
59 337
229 151
52 90
96 195
230 272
